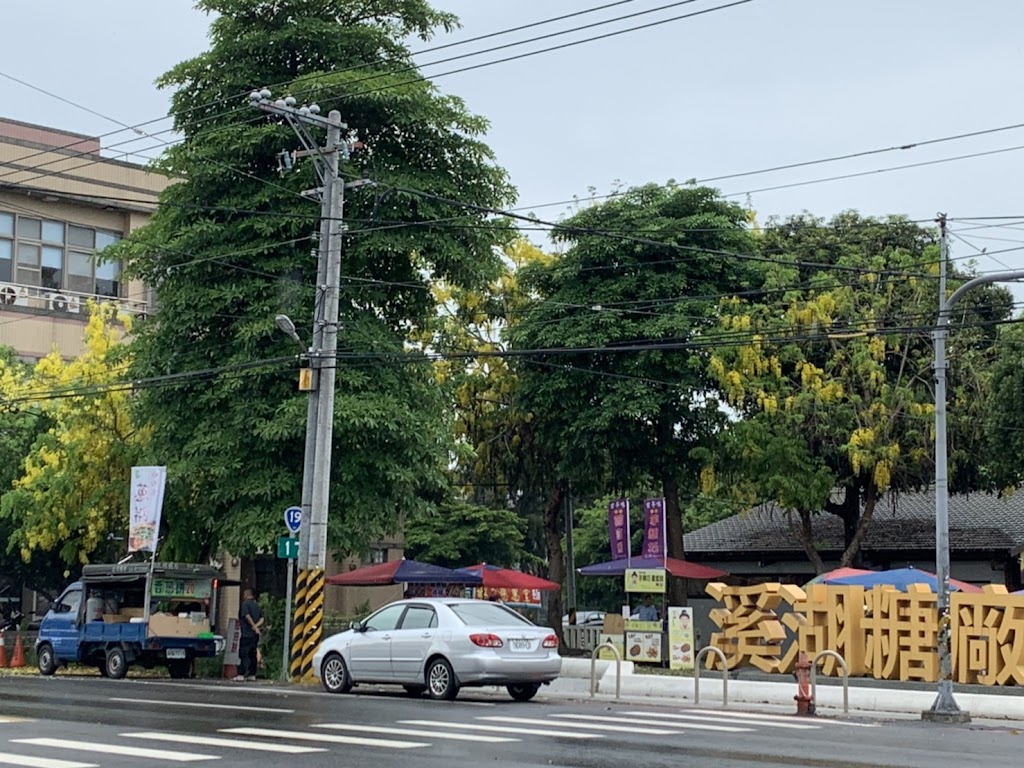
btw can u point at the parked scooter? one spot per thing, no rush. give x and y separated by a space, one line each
12 621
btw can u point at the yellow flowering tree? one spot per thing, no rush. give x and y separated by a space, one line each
72 494
829 367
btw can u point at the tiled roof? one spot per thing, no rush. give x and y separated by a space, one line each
978 522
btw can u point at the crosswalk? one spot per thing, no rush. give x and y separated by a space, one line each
167 747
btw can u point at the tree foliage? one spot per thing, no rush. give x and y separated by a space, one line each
829 368
459 533
72 493
621 419
228 249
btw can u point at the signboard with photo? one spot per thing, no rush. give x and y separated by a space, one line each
680 638
145 505
645 580
643 647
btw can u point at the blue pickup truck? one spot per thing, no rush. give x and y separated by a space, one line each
145 614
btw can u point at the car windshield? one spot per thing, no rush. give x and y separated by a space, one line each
485 614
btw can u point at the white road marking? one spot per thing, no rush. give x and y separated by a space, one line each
8 720
503 729
413 732
42 762
592 726
203 705
327 738
213 741
656 724
767 718
116 749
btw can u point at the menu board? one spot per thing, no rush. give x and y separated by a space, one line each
644 647
680 638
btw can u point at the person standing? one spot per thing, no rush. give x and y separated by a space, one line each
250 618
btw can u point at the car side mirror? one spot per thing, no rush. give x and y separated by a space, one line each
357 626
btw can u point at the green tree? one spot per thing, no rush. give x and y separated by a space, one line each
1003 418
459 533
829 367
626 419
227 250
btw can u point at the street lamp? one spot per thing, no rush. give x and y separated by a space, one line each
285 324
945 708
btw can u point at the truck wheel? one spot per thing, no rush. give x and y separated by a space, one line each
180 669
47 661
117 664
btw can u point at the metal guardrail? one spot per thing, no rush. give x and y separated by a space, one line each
582 638
846 677
618 669
696 673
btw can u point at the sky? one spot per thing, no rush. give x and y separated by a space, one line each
758 85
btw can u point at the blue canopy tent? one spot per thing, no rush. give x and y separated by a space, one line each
682 568
900 578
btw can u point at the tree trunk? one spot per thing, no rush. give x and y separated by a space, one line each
675 547
852 552
556 557
806 535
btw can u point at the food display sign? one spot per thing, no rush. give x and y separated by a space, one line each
680 638
511 596
605 653
644 647
645 580
199 589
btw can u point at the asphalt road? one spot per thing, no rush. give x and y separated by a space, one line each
75 722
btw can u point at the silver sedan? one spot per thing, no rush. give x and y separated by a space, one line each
439 645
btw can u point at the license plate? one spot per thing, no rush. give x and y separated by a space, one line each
175 653
516 644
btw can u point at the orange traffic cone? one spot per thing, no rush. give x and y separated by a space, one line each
18 659
3 651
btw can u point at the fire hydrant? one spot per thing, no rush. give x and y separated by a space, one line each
804 699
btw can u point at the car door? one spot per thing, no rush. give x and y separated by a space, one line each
62 624
411 643
370 649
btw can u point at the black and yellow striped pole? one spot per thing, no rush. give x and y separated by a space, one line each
314 620
297 640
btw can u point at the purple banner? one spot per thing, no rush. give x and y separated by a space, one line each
654 529
618 528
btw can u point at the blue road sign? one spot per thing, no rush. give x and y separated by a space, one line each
293 518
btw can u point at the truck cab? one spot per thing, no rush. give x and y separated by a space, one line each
149 614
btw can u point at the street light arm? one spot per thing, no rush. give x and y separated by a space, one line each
996 277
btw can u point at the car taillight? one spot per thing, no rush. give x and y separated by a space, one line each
486 641
551 641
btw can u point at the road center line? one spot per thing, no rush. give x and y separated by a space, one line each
503 729
203 705
214 741
117 749
414 732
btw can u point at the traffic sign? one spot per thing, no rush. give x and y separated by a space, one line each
287 548
293 518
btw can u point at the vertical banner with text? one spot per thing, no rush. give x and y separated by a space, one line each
680 638
618 528
145 505
654 529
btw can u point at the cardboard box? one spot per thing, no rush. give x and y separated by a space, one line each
132 613
614 624
169 625
114 618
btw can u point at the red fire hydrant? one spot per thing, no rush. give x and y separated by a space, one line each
804 699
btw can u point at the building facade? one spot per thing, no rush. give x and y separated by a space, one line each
61 204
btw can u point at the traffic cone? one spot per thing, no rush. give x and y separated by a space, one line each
3 650
18 660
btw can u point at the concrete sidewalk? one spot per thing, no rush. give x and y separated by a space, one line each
867 697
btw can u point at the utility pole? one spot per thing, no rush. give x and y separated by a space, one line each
945 708
307 625
570 555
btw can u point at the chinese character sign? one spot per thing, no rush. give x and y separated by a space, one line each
618 528
654 529
645 581
145 505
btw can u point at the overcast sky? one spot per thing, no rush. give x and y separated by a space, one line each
766 83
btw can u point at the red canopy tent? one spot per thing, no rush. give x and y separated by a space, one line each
511 586
403 572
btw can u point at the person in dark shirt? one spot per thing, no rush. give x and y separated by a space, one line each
250 619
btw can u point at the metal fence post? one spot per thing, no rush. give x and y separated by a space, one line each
618 669
846 677
696 674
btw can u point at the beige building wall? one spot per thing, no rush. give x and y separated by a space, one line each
61 178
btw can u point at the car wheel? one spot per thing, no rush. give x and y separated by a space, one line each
441 683
117 664
180 669
334 675
523 691
47 661
415 690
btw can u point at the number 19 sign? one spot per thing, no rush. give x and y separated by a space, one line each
293 518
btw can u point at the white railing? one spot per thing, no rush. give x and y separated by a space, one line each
582 638
61 302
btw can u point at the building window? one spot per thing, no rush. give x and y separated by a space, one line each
376 557
56 256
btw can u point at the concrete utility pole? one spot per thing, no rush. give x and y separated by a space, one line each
307 622
945 708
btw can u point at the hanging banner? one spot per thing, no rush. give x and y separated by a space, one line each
647 581
618 528
654 529
145 505
510 596
680 638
